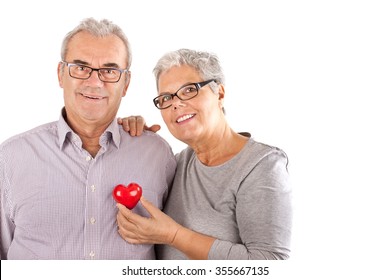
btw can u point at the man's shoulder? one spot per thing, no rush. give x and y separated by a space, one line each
155 137
149 144
39 132
147 137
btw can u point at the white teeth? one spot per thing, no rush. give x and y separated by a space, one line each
183 118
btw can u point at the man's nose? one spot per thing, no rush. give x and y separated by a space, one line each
95 77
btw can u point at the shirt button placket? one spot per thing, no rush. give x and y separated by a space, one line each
92 254
91 202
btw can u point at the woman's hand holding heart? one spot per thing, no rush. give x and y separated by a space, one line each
159 228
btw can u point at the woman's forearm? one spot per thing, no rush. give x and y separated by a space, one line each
195 245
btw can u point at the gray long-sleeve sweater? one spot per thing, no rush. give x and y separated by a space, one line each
245 203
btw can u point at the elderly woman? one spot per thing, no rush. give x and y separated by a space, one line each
231 197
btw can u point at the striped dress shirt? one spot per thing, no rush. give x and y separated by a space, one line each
56 200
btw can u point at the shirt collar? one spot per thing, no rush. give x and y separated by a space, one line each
63 129
64 132
111 133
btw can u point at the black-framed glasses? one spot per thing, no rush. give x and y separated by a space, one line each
82 72
186 92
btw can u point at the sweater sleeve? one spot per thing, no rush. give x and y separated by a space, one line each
263 213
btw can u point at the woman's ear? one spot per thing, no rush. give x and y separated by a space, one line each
221 96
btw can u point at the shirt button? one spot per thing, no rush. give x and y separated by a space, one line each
93 188
88 158
92 220
92 254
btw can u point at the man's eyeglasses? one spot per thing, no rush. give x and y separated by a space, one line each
186 92
82 72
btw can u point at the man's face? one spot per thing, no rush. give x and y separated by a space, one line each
92 101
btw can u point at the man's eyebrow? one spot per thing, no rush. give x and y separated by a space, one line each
78 61
109 65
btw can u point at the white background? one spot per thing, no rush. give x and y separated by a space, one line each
311 77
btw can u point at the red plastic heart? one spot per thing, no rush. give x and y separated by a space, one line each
128 196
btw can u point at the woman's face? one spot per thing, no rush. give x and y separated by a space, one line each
191 121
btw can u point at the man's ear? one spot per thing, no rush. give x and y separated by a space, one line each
127 83
60 72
